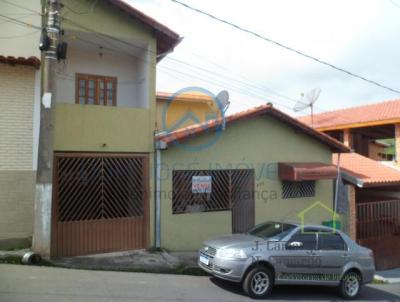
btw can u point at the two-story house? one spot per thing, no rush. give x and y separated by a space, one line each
105 117
104 127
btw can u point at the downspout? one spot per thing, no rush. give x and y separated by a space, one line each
335 202
160 145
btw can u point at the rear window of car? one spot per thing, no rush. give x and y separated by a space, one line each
329 242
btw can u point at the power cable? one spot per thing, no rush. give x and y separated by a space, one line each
287 47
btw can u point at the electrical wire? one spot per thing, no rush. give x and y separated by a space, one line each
176 60
286 47
19 22
20 36
20 6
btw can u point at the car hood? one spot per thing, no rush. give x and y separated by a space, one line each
233 241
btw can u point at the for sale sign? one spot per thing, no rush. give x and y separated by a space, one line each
201 184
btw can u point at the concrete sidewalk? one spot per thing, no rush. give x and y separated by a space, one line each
137 260
388 276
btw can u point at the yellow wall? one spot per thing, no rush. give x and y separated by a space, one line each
177 109
249 144
88 127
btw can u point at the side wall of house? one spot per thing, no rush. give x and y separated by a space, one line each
257 144
18 144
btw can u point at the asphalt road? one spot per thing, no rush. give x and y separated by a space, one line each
27 283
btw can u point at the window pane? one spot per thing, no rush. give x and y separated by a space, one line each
81 83
81 100
82 91
330 242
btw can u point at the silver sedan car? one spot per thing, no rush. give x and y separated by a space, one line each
285 253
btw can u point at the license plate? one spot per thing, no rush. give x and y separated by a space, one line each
204 259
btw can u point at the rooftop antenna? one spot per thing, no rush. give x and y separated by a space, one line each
223 101
308 100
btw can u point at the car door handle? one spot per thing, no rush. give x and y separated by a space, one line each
345 255
312 253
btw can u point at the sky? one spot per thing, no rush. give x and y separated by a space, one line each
361 36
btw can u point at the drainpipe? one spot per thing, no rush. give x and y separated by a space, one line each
337 184
160 145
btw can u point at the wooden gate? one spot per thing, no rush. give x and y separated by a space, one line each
378 228
100 203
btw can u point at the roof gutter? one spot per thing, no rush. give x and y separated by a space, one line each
352 179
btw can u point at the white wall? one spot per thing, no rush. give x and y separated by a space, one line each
131 73
23 41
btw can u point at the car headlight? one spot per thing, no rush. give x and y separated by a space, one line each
231 254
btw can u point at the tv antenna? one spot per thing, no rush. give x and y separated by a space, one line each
308 100
223 102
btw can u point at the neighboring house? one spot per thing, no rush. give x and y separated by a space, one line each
375 203
360 127
172 108
378 151
264 166
374 206
19 120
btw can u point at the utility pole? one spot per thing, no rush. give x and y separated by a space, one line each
43 197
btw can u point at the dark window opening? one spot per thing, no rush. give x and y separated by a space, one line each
298 189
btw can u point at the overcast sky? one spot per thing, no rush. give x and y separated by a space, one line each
362 36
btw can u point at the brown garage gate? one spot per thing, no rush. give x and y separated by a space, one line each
100 203
378 228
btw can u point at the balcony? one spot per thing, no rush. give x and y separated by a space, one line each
103 129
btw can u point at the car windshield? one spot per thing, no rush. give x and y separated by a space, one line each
272 230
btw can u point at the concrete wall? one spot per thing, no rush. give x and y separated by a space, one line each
18 143
259 143
176 110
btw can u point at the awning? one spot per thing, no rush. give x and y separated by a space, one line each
306 171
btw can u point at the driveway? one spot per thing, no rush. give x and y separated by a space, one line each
28 283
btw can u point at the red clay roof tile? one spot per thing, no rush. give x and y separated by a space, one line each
267 109
384 111
370 172
31 61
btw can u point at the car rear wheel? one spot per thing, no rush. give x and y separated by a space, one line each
258 282
350 285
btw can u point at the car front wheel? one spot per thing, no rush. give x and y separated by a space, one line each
350 285
258 282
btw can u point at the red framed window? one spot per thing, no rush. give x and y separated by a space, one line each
95 90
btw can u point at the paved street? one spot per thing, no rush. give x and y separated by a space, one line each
26 283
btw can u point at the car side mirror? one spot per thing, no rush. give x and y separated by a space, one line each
295 245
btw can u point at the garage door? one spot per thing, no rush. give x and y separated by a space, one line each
100 203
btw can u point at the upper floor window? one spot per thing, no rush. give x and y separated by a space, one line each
95 90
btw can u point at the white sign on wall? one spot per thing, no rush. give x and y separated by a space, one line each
201 184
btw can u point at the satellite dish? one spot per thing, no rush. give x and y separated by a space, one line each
308 100
223 101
